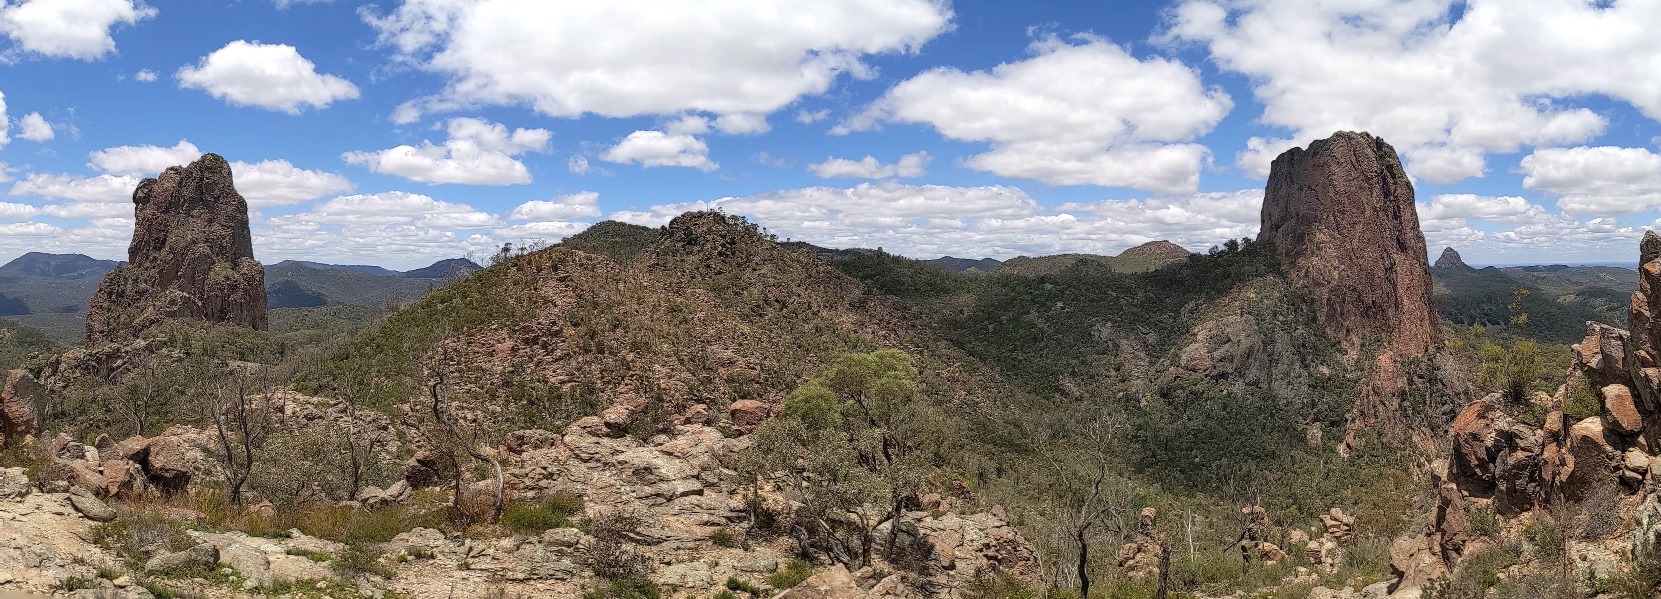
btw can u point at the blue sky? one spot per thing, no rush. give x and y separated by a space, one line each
405 132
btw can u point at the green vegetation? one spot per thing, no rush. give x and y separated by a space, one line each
531 519
19 343
628 588
790 575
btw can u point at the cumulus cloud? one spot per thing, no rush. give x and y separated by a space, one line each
657 148
145 76
269 76
563 208
1446 87
88 210
578 165
992 221
78 29
908 166
144 160
1078 112
478 152
1600 180
1502 209
644 57
102 188
34 127
388 208
5 122
12 211
278 183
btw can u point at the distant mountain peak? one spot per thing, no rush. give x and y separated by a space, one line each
1451 259
41 264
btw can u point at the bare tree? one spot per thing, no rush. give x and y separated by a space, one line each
1091 497
453 437
243 423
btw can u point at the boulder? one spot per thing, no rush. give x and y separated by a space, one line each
747 414
834 582
14 484
1601 355
201 558
1494 455
191 257
1621 410
1594 459
22 405
93 509
169 463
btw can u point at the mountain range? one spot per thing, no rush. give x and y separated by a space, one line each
50 292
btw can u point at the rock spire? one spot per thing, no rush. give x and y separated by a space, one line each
192 257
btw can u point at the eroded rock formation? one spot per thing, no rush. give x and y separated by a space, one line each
192 257
1342 218
1451 259
1597 438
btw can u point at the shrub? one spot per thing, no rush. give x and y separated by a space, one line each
139 535
793 574
76 583
610 556
749 588
530 519
627 588
359 559
316 556
1601 513
723 537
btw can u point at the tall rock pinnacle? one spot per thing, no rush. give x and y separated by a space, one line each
1451 259
1342 218
192 257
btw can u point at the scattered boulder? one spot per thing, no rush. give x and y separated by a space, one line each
14 484
834 582
93 509
191 257
201 558
747 414
22 404
1621 410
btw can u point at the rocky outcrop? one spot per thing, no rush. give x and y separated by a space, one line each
1342 218
22 404
192 257
1597 438
1451 259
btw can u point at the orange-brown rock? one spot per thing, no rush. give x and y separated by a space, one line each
1342 218
192 257
1622 411
22 404
747 414
1594 459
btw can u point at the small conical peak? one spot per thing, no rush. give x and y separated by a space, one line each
1451 259
708 227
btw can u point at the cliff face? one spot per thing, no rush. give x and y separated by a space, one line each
192 257
1342 217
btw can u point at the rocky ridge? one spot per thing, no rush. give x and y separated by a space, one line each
1587 461
191 257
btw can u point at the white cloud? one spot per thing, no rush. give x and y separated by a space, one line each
278 183
1080 112
33 127
743 124
647 57
283 4
269 76
102 188
28 230
12 211
88 210
656 148
909 166
578 165
1600 180
1446 93
77 29
563 208
477 152
809 117
5 122
995 221
387 208
147 161
145 76
1462 206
